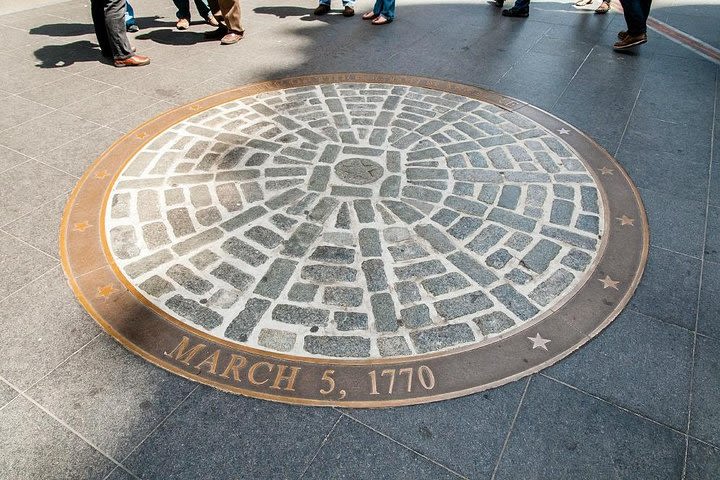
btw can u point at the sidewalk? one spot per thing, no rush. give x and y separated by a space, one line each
637 402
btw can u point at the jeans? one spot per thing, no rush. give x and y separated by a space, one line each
183 7
129 15
346 3
109 21
522 4
636 14
386 8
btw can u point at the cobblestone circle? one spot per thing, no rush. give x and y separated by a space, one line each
355 221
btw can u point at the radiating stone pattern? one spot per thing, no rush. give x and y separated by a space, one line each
355 220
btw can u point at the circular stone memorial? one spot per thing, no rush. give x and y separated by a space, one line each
354 239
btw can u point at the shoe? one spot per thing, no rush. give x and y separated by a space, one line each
604 7
211 20
381 20
322 9
516 12
132 28
369 15
216 34
230 38
134 61
582 3
348 11
182 24
499 3
630 41
621 35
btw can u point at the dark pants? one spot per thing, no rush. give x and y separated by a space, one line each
109 20
636 14
522 3
183 7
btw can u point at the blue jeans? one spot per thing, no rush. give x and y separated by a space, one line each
129 15
386 8
346 3
521 4
183 7
636 14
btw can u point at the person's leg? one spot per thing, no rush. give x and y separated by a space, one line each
129 15
634 16
115 26
388 9
203 8
97 9
520 9
646 8
231 13
183 8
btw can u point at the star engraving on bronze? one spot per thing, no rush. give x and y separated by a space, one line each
625 220
106 291
194 108
141 135
609 282
564 131
81 226
102 174
606 171
539 342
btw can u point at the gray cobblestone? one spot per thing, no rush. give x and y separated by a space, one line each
244 323
279 340
477 175
243 218
328 274
403 211
472 268
300 315
536 195
498 259
338 346
303 292
469 207
539 257
239 249
420 193
509 197
203 259
194 312
415 316
392 346
589 199
148 205
571 238
282 222
419 270
223 299
374 271
180 222
577 260
252 192
346 321
156 286
564 191
124 242
197 241
173 196
233 276
518 241
187 279
284 198
208 216
466 304
445 216
276 278
514 301
301 239
552 287
444 284
342 220
512 220
330 254
561 212
518 276
369 240
487 237
343 296
493 323
407 251
589 223
264 236
438 338
383 310
437 239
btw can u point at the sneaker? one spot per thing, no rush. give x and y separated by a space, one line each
630 41
516 12
132 28
348 11
322 9
182 24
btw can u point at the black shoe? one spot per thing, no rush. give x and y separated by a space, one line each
498 3
322 9
348 12
516 12
216 34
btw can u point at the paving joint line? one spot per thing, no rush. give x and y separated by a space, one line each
700 284
30 282
2 229
512 426
43 204
404 446
322 444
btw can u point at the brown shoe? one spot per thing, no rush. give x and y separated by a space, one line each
630 41
134 61
211 20
182 24
603 8
348 11
216 34
322 9
622 34
230 38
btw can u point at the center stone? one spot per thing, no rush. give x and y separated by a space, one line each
359 171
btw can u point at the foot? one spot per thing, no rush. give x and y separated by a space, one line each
322 9
231 37
381 20
211 20
630 41
134 61
182 24
603 8
348 11
216 34
582 3
621 35
516 12
499 3
132 28
369 15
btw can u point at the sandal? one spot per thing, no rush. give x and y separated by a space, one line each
582 3
380 20
369 15
603 8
